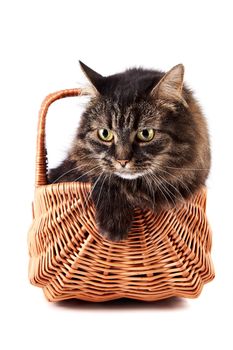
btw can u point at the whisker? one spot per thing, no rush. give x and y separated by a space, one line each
100 190
179 168
178 192
67 172
191 169
164 188
149 185
95 183
154 179
98 166
165 180
109 180
175 177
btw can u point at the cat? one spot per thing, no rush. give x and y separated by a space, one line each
142 142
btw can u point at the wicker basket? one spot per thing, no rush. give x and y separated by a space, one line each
165 255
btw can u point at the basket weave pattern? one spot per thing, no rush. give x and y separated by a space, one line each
165 255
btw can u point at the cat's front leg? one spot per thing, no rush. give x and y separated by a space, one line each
114 214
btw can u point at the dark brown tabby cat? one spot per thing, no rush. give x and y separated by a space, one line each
142 141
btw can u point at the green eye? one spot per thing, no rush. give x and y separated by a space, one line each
105 135
145 135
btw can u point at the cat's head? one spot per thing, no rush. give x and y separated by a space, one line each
137 122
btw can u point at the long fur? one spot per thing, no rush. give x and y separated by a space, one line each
170 168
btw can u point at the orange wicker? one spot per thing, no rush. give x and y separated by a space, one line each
165 255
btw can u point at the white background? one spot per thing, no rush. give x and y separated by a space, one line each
41 42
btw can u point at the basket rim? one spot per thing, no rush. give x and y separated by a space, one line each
83 189
87 184
66 184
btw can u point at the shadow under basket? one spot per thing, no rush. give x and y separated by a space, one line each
164 255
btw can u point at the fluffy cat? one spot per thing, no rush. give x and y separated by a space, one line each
142 141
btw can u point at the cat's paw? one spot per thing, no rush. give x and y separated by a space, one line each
113 235
114 223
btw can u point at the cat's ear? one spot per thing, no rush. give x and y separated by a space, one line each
94 78
171 85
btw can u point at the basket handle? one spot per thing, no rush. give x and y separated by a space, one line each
41 153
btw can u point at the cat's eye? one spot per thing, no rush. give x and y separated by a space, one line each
105 135
145 135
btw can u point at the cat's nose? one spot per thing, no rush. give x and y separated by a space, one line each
122 162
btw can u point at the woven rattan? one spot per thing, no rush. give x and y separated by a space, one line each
165 255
